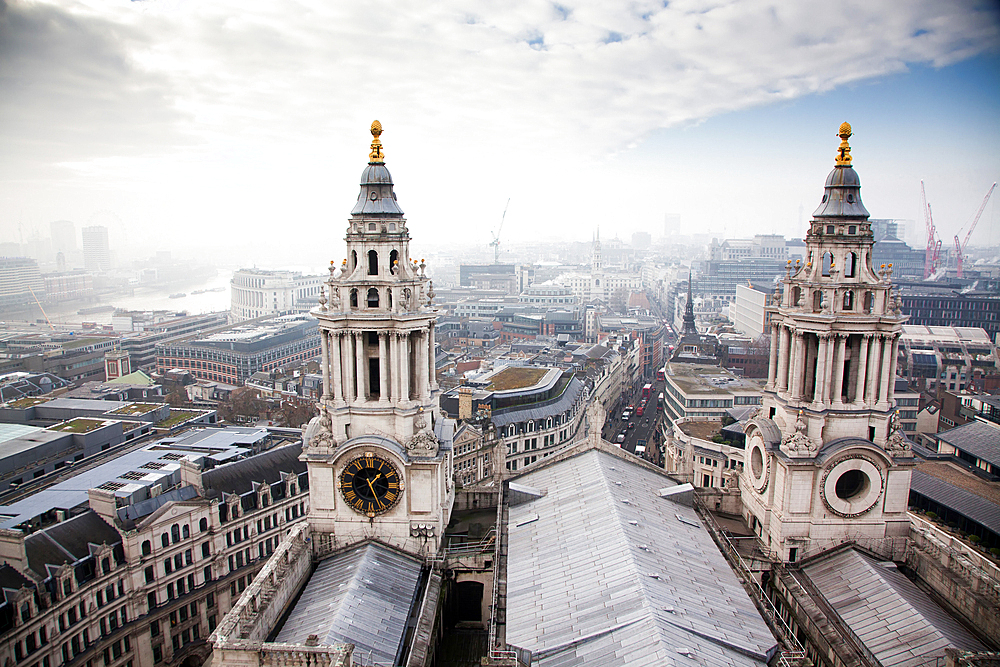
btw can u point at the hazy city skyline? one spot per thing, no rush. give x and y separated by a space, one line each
226 123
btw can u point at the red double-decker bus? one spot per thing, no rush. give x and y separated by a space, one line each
661 374
647 390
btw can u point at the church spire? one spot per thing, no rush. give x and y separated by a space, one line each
689 326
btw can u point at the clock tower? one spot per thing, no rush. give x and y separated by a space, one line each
379 453
825 460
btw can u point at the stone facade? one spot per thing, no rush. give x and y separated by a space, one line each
826 461
379 387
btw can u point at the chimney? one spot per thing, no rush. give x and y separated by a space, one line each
12 549
464 402
191 475
104 503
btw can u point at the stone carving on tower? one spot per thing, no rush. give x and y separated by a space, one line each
379 453
826 461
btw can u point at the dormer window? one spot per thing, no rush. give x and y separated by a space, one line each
850 198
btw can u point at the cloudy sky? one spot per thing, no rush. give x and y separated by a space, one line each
243 125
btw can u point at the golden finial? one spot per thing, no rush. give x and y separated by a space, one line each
844 152
376 156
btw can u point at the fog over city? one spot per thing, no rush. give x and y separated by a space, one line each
237 131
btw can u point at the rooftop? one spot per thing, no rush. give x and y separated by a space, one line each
603 571
701 379
897 621
981 439
701 429
516 377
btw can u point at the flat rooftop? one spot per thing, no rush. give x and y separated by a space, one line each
701 429
702 379
516 378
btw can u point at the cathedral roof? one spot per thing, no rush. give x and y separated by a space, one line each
376 196
842 191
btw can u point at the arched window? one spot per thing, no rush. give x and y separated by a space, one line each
393 261
827 263
186 531
869 302
372 263
388 299
531 427
817 301
354 260
548 423
203 525
354 297
848 300
175 533
512 430
165 540
850 265
796 295
373 298
147 548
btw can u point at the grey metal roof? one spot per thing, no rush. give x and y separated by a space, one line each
147 507
603 571
238 477
362 596
981 439
840 183
547 409
210 443
894 619
956 498
67 541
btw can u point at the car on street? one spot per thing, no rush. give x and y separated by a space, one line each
621 437
631 425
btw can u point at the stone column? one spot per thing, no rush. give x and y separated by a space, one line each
819 385
383 369
772 363
324 345
886 383
346 341
394 365
799 377
359 359
874 361
404 366
423 383
783 343
433 343
838 370
892 368
859 391
337 372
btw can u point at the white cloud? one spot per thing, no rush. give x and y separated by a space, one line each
241 109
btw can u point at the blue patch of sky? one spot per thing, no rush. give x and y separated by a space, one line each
921 105
563 12
612 37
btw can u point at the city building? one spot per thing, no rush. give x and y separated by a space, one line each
233 354
702 390
258 293
68 286
133 562
535 410
96 251
749 310
140 331
906 262
761 246
20 282
946 357
947 307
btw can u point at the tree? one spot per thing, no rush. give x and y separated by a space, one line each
244 404
177 397
295 413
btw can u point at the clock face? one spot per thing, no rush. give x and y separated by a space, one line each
370 485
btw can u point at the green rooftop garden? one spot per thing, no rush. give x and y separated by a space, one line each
135 409
78 425
176 417
26 402
516 377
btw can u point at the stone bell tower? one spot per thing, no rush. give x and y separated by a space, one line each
379 417
825 459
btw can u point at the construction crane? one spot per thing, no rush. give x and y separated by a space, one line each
930 255
495 243
960 246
